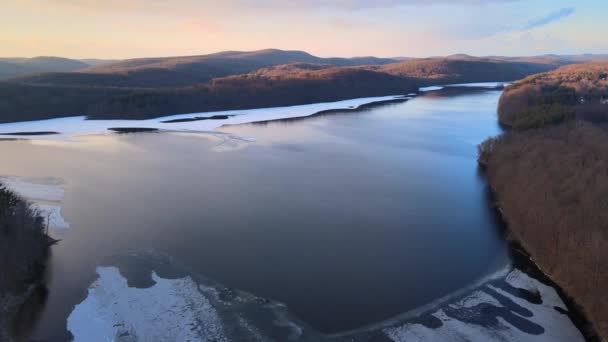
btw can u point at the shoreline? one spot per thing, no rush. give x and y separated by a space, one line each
69 127
51 129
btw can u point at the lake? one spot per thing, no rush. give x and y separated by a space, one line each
348 218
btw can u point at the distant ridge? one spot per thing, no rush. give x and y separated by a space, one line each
187 70
148 87
12 67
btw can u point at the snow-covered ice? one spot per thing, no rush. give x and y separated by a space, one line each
176 306
491 313
73 126
44 194
508 305
171 310
481 84
489 85
431 88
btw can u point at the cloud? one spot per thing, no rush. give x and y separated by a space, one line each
359 4
552 17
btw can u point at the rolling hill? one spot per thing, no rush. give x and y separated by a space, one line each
579 90
149 87
461 69
548 175
185 71
13 67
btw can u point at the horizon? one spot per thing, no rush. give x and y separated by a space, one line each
286 50
83 29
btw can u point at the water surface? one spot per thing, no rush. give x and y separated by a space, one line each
348 218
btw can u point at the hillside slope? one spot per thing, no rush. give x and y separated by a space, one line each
461 69
575 90
13 67
549 175
185 71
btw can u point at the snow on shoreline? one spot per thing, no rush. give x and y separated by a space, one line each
63 129
74 126
44 194
489 85
492 313
183 308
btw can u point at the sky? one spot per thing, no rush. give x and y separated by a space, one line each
386 28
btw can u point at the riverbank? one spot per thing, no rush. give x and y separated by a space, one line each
24 250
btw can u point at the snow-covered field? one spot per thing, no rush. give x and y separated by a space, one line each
45 195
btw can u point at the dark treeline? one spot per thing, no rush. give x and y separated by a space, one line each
550 177
24 249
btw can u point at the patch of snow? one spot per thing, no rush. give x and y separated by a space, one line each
480 84
431 88
521 280
451 331
557 326
489 85
44 194
170 310
448 299
474 299
52 215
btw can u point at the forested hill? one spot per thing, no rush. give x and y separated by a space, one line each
150 87
571 91
13 67
549 173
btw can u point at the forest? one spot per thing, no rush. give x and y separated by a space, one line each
24 250
549 175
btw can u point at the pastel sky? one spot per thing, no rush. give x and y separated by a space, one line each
389 28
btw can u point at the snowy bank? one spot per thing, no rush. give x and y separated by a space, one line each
516 308
45 195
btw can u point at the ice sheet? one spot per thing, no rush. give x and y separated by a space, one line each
73 126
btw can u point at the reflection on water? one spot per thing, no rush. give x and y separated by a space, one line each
348 218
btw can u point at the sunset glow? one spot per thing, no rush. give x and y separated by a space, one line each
138 28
